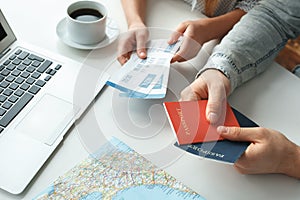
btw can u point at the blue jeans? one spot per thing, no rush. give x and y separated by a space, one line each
255 41
296 70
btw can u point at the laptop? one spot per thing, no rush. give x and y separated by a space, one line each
41 96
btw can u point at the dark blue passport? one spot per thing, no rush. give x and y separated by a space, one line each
223 150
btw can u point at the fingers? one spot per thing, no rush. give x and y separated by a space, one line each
240 134
240 168
174 38
178 32
177 58
133 40
125 47
216 104
195 91
189 47
124 58
141 41
188 95
141 49
217 96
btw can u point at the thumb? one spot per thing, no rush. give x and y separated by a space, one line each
141 42
238 133
177 33
141 47
217 96
216 104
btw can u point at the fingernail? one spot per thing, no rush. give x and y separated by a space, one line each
212 117
222 129
171 41
142 54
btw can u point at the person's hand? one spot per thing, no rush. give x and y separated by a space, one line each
269 151
195 34
212 85
135 39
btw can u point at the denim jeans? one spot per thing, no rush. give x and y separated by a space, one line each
255 41
296 70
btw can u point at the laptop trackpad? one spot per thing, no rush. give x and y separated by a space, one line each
47 119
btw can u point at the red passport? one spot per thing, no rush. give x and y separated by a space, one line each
189 123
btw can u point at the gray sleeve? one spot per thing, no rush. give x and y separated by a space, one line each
255 41
246 5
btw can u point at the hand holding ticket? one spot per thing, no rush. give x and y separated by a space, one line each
146 78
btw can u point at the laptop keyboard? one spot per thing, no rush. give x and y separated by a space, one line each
22 76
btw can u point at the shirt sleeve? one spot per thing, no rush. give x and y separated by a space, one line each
250 47
246 5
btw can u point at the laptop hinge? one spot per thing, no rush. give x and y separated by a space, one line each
4 52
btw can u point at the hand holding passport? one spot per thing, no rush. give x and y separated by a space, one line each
197 136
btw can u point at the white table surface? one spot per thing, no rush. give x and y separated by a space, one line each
271 99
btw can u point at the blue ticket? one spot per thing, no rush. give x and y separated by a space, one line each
146 78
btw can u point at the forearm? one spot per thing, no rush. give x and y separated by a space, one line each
135 11
255 40
222 24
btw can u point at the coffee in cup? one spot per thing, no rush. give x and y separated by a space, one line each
86 15
86 22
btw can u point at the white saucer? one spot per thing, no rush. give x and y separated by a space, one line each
112 32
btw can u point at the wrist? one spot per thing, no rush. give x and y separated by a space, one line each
136 24
219 76
208 33
296 166
291 165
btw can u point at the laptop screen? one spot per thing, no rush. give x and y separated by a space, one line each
3 34
7 37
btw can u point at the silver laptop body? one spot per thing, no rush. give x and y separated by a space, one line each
29 137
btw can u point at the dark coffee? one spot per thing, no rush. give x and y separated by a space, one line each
86 15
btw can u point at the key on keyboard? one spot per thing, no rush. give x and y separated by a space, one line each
22 76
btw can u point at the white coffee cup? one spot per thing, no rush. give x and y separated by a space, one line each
86 22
